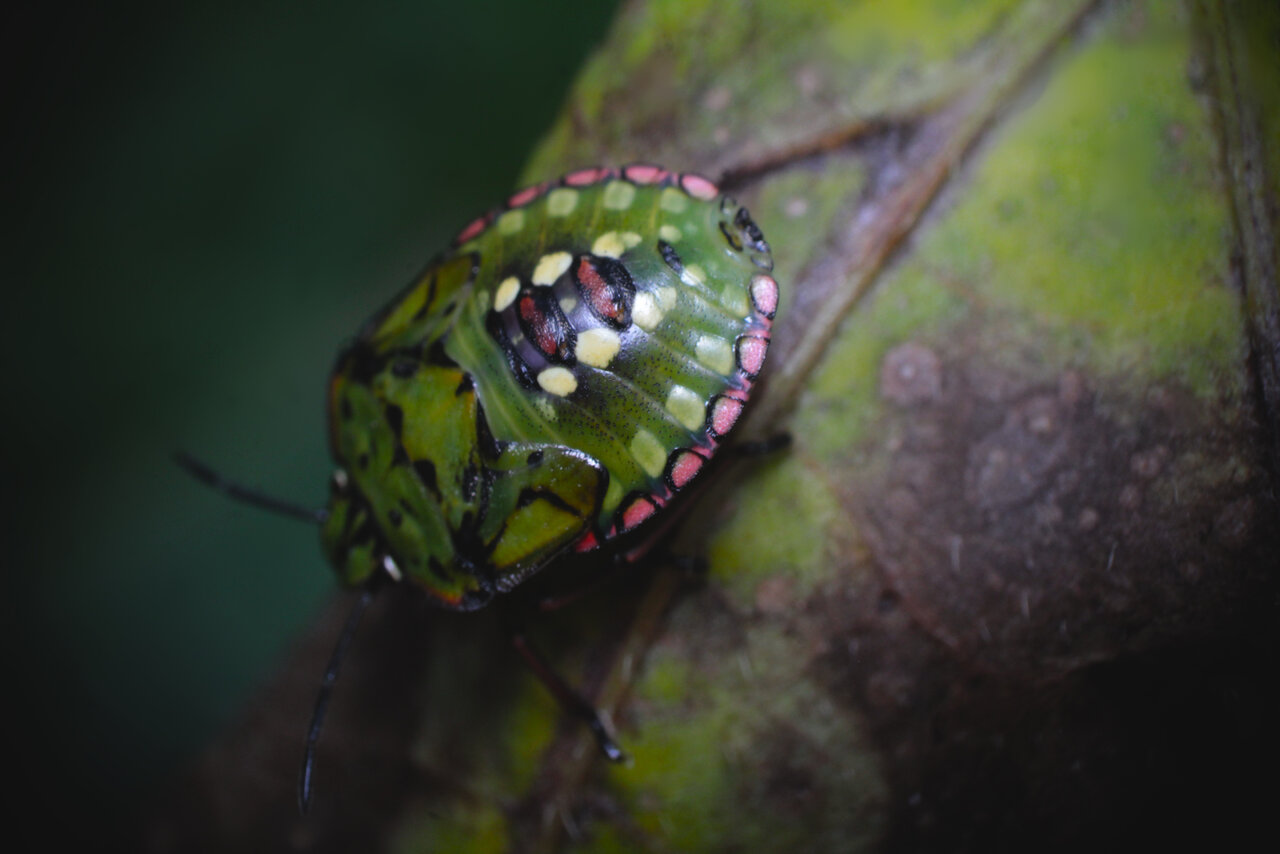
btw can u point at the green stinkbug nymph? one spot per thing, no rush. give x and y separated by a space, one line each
546 385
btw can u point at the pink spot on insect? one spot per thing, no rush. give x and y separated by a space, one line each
526 195
751 351
764 295
644 173
637 511
588 543
685 466
699 187
476 226
724 414
586 177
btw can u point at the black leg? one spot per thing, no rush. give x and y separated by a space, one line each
763 447
569 699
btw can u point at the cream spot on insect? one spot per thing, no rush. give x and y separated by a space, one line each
669 233
551 267
597 347
667 298
561 201
506 293
511 222
714 353
686 407
734 299
646 312
545 408
609 245
673 201
612 244
559 381
693 275
612 495
389 564
649 453
618 195
568 304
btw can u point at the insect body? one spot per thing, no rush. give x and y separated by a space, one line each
548 383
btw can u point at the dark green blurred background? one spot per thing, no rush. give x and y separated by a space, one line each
204 204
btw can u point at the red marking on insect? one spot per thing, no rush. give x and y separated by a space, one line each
527 195
699 187
473 228
639 510
543 324
606 298
586 177
725 410
587 543
644 173
764 295
684 466
594 287
751 352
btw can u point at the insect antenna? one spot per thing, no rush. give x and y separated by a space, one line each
212 479
305 774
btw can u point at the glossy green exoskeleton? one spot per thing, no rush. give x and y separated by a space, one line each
547 384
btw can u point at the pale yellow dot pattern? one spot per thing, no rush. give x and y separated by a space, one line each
618 195
559 381
506 293
673 200
670 233
511 222
714 353
649 453
561 201
609 245
545 408
734 298
613 495
693 275
650 307
550 267
597 347
568 304
645 311
687 408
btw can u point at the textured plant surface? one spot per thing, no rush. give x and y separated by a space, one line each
1011 585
